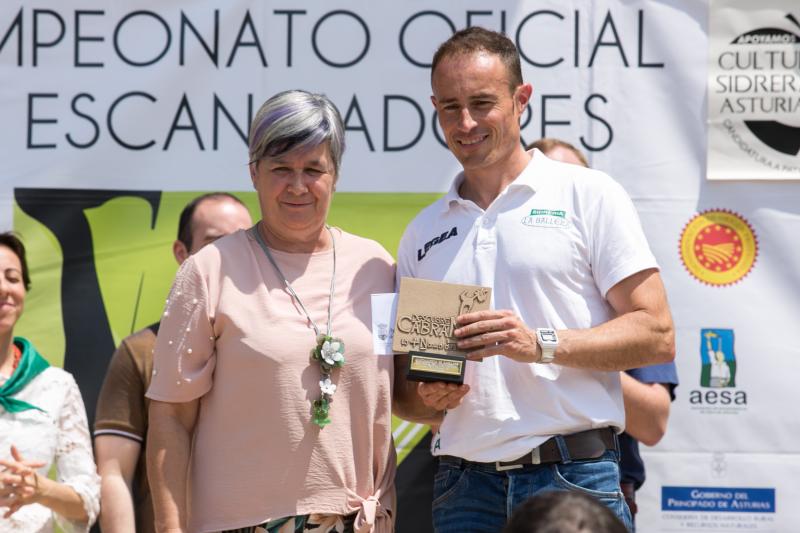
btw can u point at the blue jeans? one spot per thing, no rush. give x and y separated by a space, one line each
477 498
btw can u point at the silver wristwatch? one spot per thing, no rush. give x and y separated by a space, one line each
548 342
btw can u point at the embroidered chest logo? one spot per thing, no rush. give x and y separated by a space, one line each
422 252
547 218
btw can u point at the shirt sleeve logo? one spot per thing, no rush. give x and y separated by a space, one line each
422 252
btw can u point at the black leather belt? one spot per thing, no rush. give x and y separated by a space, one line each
589 444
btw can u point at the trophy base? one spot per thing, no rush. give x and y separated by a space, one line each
429 367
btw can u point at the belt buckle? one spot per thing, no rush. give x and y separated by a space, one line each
500 468
535 460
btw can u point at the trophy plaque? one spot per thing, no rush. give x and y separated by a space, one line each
426 319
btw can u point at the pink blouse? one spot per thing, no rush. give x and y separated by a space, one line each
232 336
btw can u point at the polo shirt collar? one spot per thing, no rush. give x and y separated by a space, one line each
452 198
530 177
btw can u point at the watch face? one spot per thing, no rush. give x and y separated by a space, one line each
548 335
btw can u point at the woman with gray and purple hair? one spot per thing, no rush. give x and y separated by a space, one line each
264 364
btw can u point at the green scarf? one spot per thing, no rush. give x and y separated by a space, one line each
31 365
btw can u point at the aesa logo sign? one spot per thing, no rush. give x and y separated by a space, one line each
754 90
719 361
718 374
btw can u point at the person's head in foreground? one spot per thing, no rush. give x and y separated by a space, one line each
563 512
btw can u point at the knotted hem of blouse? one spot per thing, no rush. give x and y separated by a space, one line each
373 516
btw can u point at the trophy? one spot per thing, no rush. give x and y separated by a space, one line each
426 319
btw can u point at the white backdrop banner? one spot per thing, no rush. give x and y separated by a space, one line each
151 94
148 95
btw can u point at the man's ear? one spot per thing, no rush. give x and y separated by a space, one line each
523 95
179 251
433 101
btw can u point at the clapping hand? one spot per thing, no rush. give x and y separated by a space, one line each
19 482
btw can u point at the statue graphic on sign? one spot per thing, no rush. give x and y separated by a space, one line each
720 369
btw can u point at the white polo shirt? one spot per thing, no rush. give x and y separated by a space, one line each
551 245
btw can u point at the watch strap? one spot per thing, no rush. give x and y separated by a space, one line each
548 348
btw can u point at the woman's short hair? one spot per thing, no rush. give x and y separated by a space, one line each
12 242
296 119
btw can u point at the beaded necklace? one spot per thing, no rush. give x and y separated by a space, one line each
17 356
329 350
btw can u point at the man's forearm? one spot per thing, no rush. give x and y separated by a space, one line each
117 458
117 514
628 341
646 409
642 334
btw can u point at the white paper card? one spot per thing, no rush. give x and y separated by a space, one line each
384 311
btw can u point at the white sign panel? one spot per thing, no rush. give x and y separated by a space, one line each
754 90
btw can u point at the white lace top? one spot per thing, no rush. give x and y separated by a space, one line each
59 436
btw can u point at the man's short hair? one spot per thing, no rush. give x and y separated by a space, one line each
185 222
477 39
546 144
564 512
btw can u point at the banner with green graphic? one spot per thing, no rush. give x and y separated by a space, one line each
102 265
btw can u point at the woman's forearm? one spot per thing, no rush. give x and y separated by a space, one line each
61 499
169 440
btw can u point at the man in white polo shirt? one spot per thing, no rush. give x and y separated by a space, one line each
576 298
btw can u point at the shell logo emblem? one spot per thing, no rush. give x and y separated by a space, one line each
718 247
